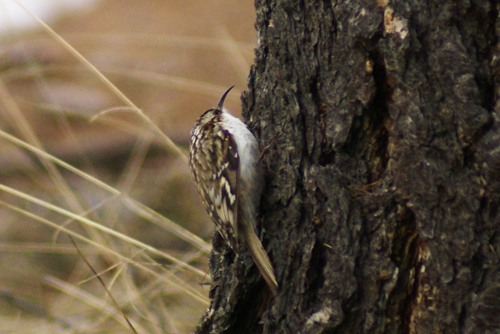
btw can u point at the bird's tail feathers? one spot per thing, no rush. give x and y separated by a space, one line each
260 258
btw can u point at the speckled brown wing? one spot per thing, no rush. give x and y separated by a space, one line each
218 187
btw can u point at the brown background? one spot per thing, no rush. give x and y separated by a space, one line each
173 60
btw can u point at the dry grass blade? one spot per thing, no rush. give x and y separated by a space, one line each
105 80
156 218
100 227
89 300
186 288
21 304
233 48
103 285
135 206
25 128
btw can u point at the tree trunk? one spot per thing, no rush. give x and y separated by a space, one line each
381 139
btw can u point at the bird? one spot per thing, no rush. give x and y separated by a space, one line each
224 159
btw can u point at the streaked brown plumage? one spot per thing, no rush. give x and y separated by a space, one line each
224 158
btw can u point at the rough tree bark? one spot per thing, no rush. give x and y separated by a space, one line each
382 135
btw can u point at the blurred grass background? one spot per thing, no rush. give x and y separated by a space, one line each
173 60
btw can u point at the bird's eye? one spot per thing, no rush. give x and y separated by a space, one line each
217 112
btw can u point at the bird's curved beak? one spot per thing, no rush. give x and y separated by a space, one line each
221 101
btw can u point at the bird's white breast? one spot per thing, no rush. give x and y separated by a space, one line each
248 149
